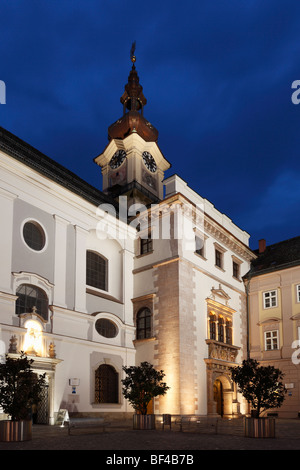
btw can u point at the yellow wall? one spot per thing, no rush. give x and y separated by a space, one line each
272 312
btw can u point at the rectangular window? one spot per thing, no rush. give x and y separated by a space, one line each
200 246
219 259
271 340
235 270
270 299
228 332
96 270
298 293
146 245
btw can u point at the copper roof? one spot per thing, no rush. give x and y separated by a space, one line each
133 120
130 122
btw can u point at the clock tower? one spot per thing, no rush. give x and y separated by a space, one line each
132 163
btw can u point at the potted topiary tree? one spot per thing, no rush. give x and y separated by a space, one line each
141 385
262 387
20 389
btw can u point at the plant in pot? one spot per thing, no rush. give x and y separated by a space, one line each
20 389
142 384
262 387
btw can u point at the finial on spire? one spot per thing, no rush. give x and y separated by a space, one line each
132 51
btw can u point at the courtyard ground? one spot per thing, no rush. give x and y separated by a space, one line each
121 437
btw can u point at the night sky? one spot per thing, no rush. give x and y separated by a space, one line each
217 76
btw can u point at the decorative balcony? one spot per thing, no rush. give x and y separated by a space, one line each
221 351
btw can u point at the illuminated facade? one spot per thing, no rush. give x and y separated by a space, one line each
94 280
198 323
273 286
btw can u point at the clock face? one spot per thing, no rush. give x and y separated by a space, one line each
149 162
117 159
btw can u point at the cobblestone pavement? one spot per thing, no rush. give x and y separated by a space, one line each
121 438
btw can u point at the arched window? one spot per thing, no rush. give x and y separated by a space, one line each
106 384
96 270
221 329
212 327
143 324
32 299
228 331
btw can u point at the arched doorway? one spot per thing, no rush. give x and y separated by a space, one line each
219 397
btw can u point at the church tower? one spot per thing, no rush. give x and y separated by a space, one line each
132 163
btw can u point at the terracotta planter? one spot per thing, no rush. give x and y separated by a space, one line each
13 431
144 422
260 427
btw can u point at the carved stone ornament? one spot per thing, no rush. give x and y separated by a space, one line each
52 352
13 344
223 352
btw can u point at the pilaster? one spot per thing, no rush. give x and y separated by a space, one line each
6 238
60 261
80 269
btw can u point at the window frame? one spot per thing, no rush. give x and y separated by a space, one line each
235 270
42 231
270 299
273 337
103 285
298 293
41 309
108 329
146 327
213 326
146 245
200 251
221 326
103 389
219 256
228 331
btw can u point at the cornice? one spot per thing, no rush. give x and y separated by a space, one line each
226 238
205 221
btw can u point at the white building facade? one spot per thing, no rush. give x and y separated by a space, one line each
86 288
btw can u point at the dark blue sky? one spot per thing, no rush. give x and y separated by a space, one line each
217 76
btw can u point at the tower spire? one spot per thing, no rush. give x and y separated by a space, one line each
133 101
132 163
133 98
132 54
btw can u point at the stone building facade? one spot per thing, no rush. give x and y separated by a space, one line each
146 269
273 287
